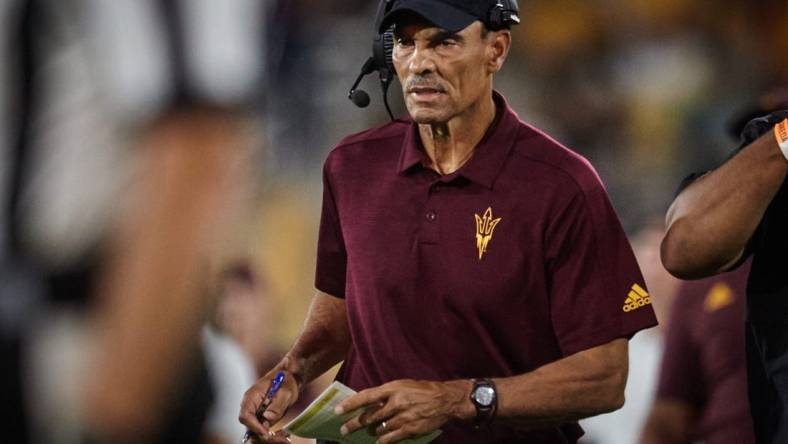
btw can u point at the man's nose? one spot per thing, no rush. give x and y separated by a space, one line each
422 61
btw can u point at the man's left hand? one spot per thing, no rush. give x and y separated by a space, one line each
406 408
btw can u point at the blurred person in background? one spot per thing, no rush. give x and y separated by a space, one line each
245 313
623 426
718 220
230 357
231 371
702 390
399 268
126 135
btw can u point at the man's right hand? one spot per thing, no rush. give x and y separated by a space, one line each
285 397
324 342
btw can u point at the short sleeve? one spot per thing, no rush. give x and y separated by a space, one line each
331 253
680 369
597 291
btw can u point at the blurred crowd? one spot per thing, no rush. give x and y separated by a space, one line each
647 90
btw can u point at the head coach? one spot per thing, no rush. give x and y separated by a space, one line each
471 271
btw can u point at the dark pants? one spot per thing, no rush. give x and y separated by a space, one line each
767 380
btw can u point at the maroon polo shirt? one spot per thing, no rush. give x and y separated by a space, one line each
704 363
514 261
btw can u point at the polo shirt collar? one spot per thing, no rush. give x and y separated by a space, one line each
488 157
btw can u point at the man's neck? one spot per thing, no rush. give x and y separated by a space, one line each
450 145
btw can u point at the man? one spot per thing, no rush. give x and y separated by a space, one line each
463 244
721 218
702 394
102 278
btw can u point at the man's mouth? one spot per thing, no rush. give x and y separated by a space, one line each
425 92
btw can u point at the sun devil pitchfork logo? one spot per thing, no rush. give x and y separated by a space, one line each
484 230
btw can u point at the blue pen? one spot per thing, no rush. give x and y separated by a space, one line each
276 383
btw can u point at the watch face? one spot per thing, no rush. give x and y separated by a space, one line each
484 395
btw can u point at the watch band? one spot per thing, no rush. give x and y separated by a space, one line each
781 134
484 413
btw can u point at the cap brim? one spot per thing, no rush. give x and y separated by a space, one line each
440 14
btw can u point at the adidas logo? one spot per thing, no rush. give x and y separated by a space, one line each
637 297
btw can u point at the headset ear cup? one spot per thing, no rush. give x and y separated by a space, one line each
388 48
495 19
382 49
504 14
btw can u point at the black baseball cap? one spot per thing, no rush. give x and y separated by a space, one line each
451 15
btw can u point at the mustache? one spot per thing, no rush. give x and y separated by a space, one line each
417 81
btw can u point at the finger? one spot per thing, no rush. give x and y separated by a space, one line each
252 399
278 407
284 398
372 418
394 435
387 426
390 437
351 426
361 420
279 437
377 415
362 399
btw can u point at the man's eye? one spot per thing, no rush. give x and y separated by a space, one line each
448 42
403 41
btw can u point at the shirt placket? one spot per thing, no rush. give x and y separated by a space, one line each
431 217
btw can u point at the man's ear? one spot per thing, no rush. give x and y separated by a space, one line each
498 47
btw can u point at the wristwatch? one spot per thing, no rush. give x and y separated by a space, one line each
485 399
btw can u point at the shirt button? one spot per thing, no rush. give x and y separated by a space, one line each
431 215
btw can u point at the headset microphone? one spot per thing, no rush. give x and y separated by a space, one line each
360 97
382 47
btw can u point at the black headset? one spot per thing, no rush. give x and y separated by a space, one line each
502 15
